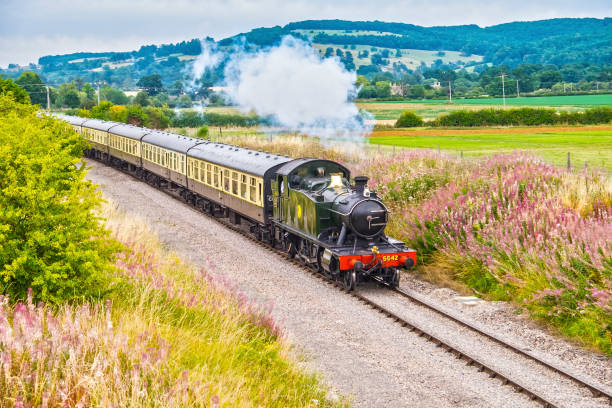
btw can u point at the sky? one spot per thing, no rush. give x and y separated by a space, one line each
30 29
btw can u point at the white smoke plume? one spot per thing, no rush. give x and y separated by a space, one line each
299 90
209 58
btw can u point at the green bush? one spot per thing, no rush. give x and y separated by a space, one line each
409 119
202 132
50 239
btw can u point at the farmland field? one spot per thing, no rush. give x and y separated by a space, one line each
586 144
429 109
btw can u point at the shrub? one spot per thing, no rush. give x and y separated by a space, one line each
118 113
409 119
157 118
49 238
136 116
202 132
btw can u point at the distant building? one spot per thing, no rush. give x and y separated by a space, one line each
399 89
436 85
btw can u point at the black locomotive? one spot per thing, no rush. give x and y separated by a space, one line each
306 206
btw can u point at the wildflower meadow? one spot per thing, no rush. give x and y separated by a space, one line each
511 227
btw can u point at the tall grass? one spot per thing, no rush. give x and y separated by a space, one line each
510 227
514 228
169 335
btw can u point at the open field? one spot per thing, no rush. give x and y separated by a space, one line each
412 58
586 144
429 109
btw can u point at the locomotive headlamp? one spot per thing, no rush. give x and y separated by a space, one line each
375 249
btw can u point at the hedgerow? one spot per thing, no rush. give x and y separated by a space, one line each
50 239
523 117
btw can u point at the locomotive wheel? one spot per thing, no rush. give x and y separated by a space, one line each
394 279
350 280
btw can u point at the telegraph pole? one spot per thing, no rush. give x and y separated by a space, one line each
98 83
503 89
518 94
450 92
48 100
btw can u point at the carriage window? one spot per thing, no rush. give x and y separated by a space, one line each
226 180
208 178
243 186
216 176
234 183
253 189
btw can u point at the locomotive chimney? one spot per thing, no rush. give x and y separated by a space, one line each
360 184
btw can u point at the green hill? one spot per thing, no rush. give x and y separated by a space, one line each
366 46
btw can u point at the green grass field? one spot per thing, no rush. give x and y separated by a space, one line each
429 109
565 100
592 147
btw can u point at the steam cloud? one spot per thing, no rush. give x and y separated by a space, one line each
209 58
296 88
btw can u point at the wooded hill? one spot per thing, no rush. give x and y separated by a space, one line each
372 46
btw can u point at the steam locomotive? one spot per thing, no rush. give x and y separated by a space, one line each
308 207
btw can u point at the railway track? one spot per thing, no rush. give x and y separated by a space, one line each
414 328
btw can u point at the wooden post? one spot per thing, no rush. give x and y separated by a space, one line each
393 149
438 148
461 154
569 163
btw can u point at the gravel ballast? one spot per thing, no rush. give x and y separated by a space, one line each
359 352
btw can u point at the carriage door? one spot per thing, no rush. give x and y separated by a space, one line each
281 197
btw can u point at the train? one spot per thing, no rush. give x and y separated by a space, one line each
308 207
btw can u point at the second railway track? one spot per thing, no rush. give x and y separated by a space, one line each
470 359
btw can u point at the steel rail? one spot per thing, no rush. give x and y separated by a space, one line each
412 327
596 390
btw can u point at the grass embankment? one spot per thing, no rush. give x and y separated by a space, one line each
168 334
124 323
590 145
510 227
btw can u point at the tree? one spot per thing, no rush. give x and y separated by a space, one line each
50 239
88 96
68 95
176 88
116 96
383 89
142 99
417 91
409 119
549 78
184 100
14 91
151 83
329 51
34 86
